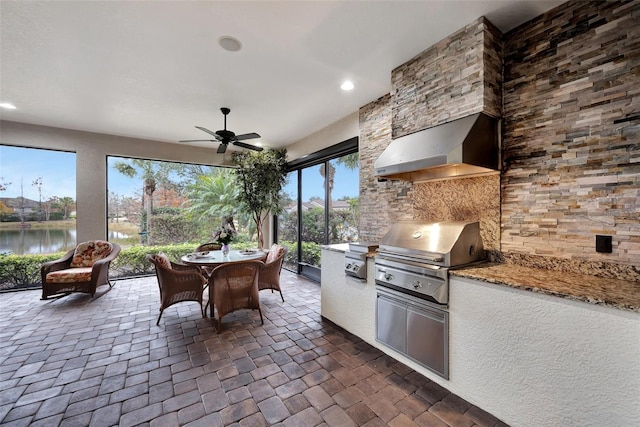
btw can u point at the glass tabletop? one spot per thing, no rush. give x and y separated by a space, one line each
217 258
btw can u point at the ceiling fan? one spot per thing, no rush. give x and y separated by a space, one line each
226 136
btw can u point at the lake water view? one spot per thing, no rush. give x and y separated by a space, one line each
42 241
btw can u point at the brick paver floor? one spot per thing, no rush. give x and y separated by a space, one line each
78 361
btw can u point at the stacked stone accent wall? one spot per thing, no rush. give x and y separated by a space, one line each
458 76
571 137
381 203
570 143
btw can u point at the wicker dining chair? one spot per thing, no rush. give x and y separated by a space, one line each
177 283
210 246
206 270
269 276
235 287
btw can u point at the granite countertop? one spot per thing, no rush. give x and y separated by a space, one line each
621 294
616 293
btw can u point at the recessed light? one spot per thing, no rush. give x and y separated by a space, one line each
347 85
7 106
229 43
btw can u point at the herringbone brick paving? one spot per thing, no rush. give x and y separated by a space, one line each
78 361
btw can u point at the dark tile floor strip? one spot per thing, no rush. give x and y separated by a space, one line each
78 361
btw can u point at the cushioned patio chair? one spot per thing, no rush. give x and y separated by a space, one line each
269 276
82 269
177 282
235 287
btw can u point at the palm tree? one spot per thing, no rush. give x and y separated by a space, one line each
328 172
215 196
152 174
66 204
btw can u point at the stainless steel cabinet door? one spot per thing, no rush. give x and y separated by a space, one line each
391 323
428 338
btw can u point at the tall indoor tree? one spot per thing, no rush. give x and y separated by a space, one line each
261 176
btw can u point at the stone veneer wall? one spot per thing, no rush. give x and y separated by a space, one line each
571 171
458 76
381 203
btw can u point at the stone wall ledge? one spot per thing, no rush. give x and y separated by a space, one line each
616 293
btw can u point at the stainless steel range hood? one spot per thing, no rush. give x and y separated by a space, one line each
464 147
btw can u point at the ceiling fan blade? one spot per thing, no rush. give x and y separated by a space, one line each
198 140
212 133
249 146
244 136
222 148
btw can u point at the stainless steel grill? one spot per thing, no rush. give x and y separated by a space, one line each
412 283
415 257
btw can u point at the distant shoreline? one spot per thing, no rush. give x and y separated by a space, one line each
34 225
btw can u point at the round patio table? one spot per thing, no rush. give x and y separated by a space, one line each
215 258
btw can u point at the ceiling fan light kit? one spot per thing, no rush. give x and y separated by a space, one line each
226 136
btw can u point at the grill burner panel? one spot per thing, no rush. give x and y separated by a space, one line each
355 259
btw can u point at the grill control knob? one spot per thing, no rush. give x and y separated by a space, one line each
416 284
388 276
348 266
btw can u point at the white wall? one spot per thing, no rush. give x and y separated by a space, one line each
339 131
538 360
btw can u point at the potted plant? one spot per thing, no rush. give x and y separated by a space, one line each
261 175
225 234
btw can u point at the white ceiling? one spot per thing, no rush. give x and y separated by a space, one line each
153 70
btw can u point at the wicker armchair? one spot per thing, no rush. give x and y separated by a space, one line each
177 283
82 269
269 276
235 287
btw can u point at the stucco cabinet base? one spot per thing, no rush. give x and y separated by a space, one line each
527 358
346 301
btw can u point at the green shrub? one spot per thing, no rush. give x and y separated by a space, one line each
23 271
311 253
